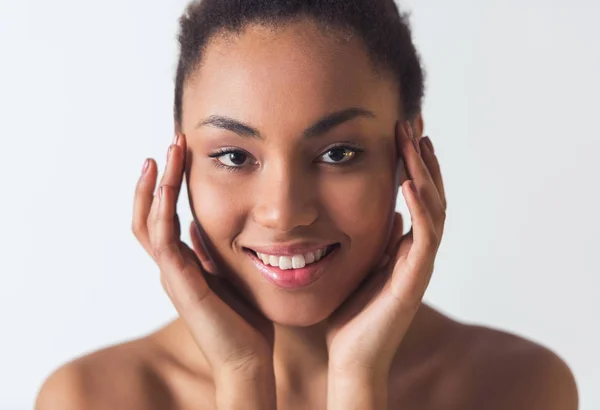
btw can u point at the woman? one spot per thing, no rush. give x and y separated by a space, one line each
296 124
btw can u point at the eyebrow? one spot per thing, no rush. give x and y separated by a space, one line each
319 128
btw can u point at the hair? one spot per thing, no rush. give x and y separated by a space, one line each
385 33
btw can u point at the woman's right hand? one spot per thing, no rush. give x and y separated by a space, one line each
234 338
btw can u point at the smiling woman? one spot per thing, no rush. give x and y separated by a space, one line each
297 123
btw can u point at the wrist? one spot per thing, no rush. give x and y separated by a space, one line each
363 390
252 389
353 372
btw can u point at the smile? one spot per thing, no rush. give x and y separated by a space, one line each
285 262
293 271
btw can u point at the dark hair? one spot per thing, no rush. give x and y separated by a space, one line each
384 30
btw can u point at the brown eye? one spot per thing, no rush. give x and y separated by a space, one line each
233 159
339 155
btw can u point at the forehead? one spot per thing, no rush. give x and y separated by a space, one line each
296 69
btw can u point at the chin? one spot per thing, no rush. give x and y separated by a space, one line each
295 320
298 310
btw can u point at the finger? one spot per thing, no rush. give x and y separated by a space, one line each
165 242
418 172
177 225
396 235
142 203
181 142
438 214
409 285
180 272
200 249
425 238
433 166
171 177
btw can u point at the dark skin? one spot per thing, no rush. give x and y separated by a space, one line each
360 336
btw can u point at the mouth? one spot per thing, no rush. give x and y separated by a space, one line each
297 261
293 271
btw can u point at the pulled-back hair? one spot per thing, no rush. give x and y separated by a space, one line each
385 32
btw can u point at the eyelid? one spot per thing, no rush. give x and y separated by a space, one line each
228 150
343 144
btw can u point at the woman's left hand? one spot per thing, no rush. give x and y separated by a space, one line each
365 332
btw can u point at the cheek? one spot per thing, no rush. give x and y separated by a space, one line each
362 206
217 207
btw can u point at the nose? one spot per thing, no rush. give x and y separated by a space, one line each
285 198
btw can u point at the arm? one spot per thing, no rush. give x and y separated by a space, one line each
354 392
534 379
251 390
64 389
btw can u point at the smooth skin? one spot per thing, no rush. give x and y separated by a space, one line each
360 337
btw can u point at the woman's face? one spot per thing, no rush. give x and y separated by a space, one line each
281 182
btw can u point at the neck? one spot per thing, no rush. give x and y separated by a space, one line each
300 357
300 354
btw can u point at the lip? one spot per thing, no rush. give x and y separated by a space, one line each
293 279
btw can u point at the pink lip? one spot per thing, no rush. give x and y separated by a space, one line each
293 279
290 249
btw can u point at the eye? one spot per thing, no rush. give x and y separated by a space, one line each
339 155
231 158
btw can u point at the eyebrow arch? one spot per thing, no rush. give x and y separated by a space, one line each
319 128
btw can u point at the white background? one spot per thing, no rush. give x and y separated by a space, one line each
86 91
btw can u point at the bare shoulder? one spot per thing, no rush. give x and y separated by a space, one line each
502 371
120 376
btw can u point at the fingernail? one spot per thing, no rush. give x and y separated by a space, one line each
170 152
176 139
145 167
429 144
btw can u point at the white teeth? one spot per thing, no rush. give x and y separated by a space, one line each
285 263
298 261
292 262
273 260
319 253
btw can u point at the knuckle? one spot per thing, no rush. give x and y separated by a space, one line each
159 251
137 229
443 215
431 241
409 302
165 285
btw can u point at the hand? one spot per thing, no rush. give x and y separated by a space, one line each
234 338
365 332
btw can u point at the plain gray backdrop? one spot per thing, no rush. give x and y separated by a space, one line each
86 93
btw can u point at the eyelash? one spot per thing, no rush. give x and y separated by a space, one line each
224 151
